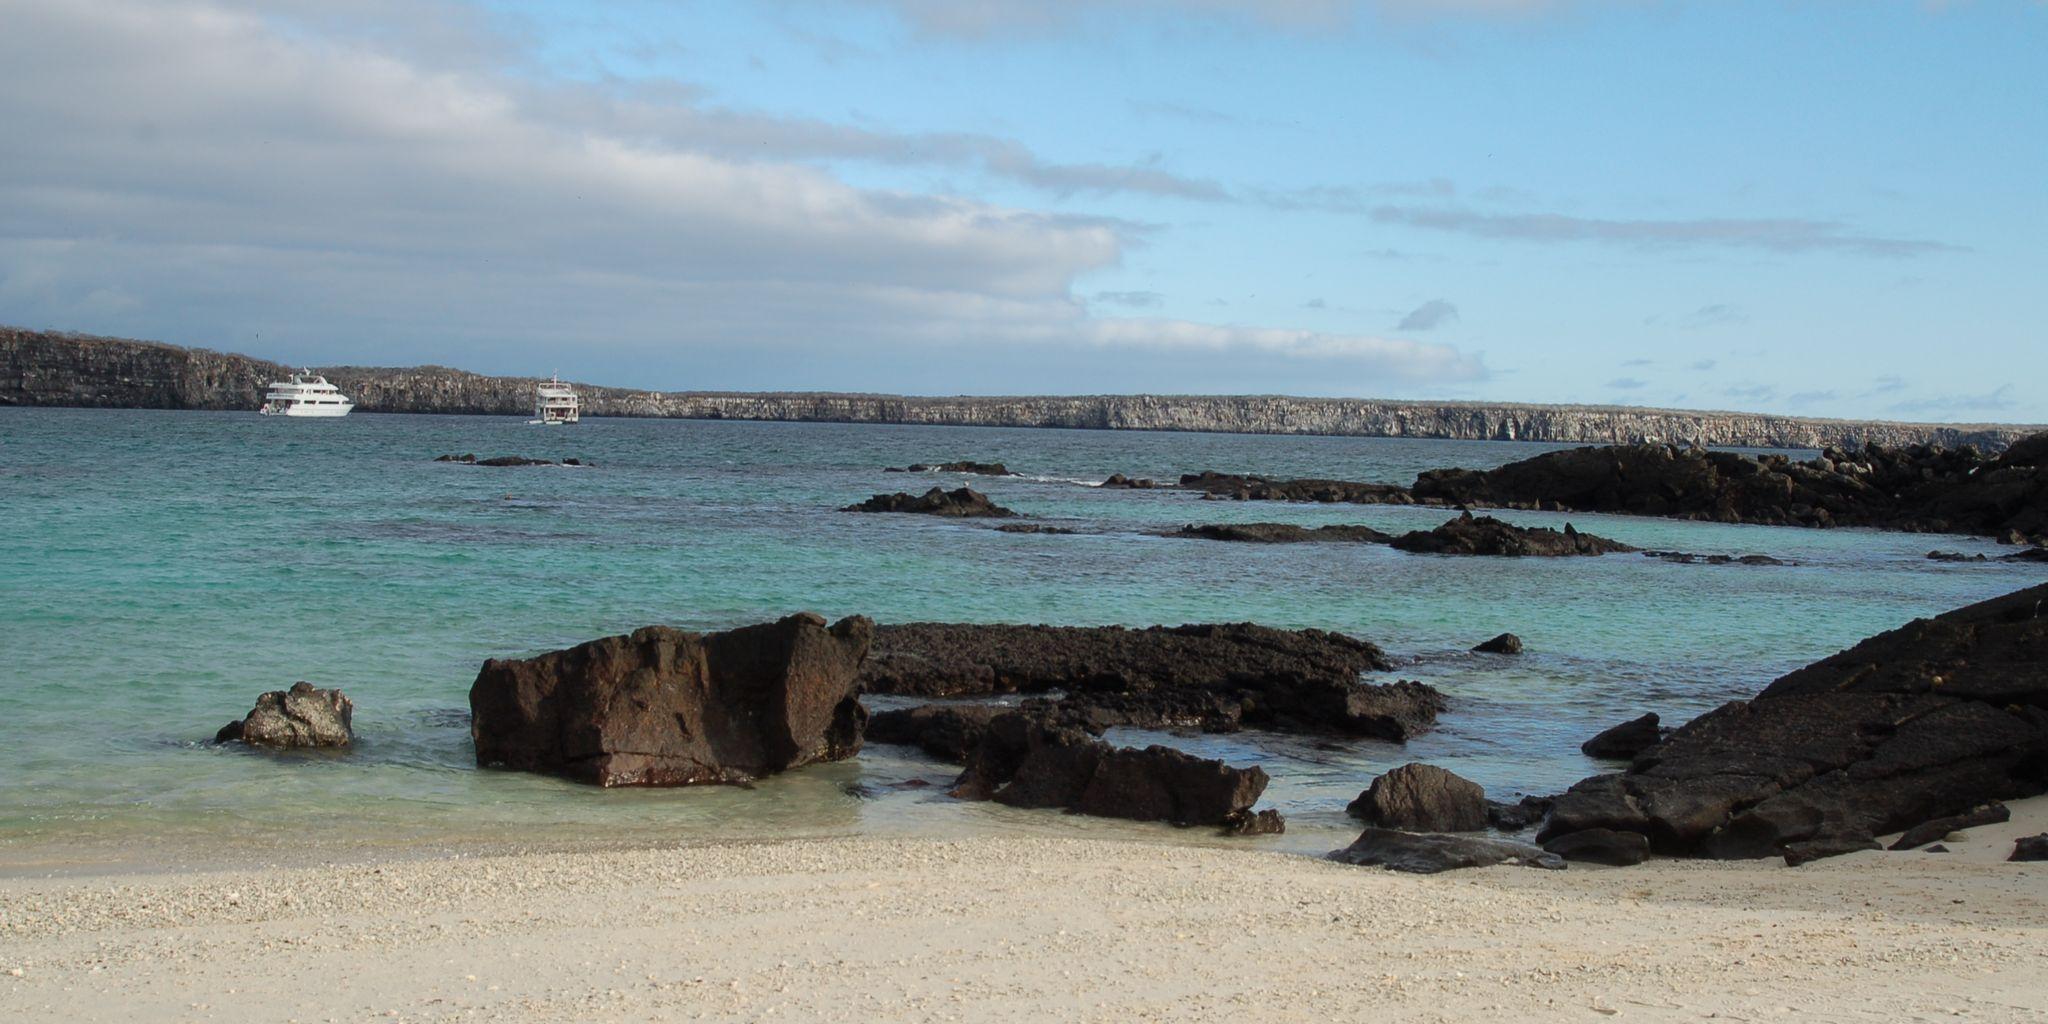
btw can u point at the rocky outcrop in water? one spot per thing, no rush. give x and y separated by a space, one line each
54 368
304 716
1024 762
1506 643
959 503
1216 678
1928 720
665 707
1919 487
1485 535
975 468
501 461
1282 533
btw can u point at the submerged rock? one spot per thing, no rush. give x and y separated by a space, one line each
1485 535
502 461
1623 742
976 468
1428 854
1281 533
963 502
1118 481
1688 558
1422 798
1023 762
1506 643
1931 719
301 717
1212 677
665 707
1036 528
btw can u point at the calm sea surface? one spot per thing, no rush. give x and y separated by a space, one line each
158 570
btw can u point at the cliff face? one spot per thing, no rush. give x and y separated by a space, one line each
43 368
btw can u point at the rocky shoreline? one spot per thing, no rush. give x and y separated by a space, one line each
48 368
1915 489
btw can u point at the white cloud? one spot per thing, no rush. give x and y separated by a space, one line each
196 163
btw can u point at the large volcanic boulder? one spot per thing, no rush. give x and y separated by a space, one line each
1931 719
1485 535
1024 762
1212 677
1429 853
664 707
1422 798
959 503
303 716
1281 533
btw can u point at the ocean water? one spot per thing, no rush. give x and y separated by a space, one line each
158 570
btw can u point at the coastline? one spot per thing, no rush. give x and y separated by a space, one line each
50 368
1009 928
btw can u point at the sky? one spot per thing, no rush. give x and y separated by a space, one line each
1824 208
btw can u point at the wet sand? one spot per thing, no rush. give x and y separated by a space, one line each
1010 928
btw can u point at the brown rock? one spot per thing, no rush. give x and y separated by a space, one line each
664 707
1422 798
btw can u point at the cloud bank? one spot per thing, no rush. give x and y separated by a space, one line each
205 164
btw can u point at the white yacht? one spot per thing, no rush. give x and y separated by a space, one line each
555 403
305 394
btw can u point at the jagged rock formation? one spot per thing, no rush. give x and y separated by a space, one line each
960 503
303 716
1217 678
53 368
1023 761
1485 535
664 707
1928 720
1925 488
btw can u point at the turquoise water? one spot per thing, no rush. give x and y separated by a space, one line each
158 570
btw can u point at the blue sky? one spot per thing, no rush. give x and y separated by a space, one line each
1815 208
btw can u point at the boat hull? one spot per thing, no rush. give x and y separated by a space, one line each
324 412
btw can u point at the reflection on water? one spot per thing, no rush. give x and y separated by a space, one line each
161 569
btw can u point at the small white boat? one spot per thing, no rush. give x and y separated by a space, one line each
305 394
554 403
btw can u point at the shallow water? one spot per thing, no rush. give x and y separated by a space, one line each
160 569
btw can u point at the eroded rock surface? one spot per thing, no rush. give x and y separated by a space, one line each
961 502
665 707
1422 798
304 716
1023 762
1927 720
1211 677
1485 535
1430 853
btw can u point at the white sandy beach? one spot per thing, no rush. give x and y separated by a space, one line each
1029 929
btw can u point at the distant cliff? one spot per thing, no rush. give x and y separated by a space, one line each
46 368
